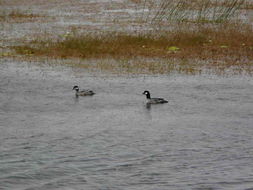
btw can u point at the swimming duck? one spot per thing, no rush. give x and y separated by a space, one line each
83 92
154 100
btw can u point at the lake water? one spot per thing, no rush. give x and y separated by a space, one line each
49 139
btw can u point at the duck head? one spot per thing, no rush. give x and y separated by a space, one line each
76 88
147 94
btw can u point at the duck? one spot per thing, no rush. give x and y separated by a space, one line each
83 92
154 100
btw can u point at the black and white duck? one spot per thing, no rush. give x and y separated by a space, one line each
154 100
83 92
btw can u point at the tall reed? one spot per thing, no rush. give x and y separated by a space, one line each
199 11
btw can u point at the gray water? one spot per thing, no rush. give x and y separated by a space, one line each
49 139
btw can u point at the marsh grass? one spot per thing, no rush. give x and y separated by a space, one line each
152 66
219 48
248 5
223 43
19 15
198 11
201 35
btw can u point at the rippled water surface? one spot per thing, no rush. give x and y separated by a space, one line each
49 139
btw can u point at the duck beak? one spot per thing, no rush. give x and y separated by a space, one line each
143 93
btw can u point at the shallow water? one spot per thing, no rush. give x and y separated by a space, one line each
201 139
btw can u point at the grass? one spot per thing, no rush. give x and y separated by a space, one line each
219 48
201 35
198 11
141 66
18 15
248 5
205 43
151 66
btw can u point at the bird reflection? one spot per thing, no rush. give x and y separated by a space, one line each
148 106
76 98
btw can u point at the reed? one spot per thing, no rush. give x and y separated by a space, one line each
18 15
226 45
158 66
204 43
207 35
198 11
247 5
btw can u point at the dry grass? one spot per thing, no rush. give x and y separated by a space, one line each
153 66
222 48
20 16
159 12
141 66
248 5
189 46
226 43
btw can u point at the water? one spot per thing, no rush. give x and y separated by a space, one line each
201 139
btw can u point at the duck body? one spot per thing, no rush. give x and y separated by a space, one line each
83 92
154 100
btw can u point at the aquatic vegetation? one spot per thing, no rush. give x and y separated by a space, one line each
19 16
173 48
220 45
248 4
177 34
6 54
204 43
198 11
224 46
